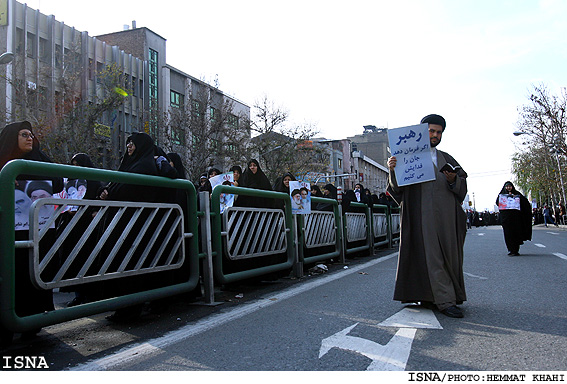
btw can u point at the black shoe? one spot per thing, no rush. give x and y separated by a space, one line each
453 311
427 304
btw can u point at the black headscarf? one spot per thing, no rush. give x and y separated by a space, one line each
177 164
504 191
257 180
142 161
279 186
9 149
332 191
82 160
317 190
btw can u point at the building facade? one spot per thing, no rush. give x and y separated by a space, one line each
57 69
373 142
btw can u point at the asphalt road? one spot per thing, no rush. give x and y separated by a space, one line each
344 320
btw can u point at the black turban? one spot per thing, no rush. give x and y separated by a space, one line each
434 119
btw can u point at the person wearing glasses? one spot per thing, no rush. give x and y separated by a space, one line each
17 141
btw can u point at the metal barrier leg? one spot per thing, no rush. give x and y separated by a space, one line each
297 265
206 241
342 258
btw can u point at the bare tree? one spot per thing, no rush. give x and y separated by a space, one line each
538 164
281 146
66 123
206 132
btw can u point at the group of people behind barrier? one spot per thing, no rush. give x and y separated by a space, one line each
142 156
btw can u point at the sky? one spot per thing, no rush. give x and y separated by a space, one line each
342 65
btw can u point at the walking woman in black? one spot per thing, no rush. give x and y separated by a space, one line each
515 217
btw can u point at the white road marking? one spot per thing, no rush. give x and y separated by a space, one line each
539 245
153 347
564 257
553 233
475 276
395 354
413 317
481 234
390 357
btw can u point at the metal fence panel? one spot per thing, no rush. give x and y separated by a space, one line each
146 237
253 232
356 226
320 229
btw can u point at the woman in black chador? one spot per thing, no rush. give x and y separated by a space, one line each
139 158
17 141
254 177
516 223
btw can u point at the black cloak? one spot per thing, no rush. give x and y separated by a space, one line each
142 161
517 225
257 180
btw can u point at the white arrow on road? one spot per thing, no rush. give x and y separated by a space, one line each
394 355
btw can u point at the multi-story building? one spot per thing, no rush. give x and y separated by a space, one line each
370 173
53 60
373 143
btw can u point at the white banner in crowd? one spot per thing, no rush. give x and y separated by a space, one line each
226 199
26 192
300 193
410 146
508 202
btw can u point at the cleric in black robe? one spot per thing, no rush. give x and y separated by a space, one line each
517 224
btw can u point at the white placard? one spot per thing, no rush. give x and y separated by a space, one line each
300 193
410 146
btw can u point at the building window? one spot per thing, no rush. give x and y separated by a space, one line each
31 45
213 114
177 100
58 57
195 109
153 90
153 78
233 121
43 49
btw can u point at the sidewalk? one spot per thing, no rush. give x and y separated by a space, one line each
561 226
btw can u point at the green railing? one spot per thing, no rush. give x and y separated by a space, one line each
8 317
271 232
303 249
219 245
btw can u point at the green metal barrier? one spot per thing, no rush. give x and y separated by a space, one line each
304 237
219 246
395 224
8 318
379 238
353 246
